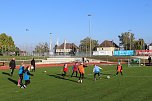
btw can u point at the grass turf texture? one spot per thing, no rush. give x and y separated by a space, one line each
134 85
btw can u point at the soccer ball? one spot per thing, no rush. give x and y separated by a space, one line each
108 77
32 67
44 71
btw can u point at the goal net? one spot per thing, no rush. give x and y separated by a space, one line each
135 62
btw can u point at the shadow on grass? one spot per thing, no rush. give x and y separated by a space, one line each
59 76
6 73
108 74
13 81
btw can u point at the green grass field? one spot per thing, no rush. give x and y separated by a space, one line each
134 85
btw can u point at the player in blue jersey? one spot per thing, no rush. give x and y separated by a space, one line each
96 71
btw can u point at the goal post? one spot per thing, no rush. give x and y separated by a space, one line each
135 62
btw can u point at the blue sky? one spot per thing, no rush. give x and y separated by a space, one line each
68 20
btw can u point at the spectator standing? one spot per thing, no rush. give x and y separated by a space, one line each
12 66
33 64
149 60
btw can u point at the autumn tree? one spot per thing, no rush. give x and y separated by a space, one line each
85 44
42 48
139 44
126 40
6 43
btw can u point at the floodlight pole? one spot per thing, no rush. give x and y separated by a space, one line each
50 50
130 37
89 15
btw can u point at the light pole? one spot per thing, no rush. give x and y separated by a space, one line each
50 50
130 39
129 31
126 42
86 48
89 15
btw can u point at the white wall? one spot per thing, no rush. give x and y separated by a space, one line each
109 53
63 50
106 48
150 47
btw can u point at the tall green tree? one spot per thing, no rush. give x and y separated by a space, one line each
6 43
126 40
17 51
139 44
42 48
85 44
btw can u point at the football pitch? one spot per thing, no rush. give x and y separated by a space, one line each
134 85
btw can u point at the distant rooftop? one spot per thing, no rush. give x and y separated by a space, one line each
107 43
68 46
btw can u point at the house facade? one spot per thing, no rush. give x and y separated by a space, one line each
107 46
66 48
150 47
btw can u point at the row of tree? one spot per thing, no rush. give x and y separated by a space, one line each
42 48
127 41
7 45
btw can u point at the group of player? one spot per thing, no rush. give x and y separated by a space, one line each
24 73
77 68
80 68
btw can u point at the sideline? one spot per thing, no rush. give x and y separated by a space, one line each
53 65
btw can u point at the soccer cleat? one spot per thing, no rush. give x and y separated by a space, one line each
78 81
24 86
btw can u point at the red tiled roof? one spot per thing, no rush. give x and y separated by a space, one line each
68 46
107 43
